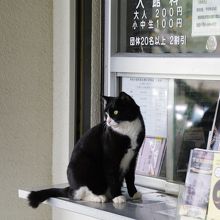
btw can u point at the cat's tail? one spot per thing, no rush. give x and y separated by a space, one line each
37 197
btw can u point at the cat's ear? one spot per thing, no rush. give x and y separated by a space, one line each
125 97
106 99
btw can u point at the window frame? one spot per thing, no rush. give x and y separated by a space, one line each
175 66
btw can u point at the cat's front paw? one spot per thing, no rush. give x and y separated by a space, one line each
137 195
103 198
119 199
98 199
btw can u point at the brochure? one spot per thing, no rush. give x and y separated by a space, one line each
202 185
214 197
193 138
151 156
197 184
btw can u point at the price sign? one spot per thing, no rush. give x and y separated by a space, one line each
155 23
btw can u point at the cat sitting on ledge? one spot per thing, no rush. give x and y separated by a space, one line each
103 157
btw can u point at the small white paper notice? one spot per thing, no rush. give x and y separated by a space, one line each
206 17
151 95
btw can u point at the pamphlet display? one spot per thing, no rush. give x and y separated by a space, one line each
192 138
202 185
151 156
214 197
197 184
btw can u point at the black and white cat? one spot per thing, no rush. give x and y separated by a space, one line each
103 157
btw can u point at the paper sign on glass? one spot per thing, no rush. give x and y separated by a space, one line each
151 95
206 18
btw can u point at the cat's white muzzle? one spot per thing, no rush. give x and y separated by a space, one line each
110 122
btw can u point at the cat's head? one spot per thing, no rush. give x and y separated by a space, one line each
120 109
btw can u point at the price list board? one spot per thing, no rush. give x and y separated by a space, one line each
155 23
169 26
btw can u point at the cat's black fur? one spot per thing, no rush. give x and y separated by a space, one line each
96 158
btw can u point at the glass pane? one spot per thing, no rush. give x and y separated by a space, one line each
194 109
187 117
168 26
151 94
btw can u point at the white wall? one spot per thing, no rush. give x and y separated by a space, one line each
61 88
25 104
61 96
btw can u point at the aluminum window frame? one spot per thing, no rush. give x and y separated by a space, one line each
175 66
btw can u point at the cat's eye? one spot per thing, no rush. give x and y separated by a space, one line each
115 112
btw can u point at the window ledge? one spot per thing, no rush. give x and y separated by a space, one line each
154 205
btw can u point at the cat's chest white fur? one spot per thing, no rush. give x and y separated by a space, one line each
132 130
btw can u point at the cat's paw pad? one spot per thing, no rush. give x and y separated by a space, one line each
137 195
119 199
103 198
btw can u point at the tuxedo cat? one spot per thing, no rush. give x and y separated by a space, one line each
103 157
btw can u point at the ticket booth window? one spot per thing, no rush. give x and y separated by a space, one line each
165 54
